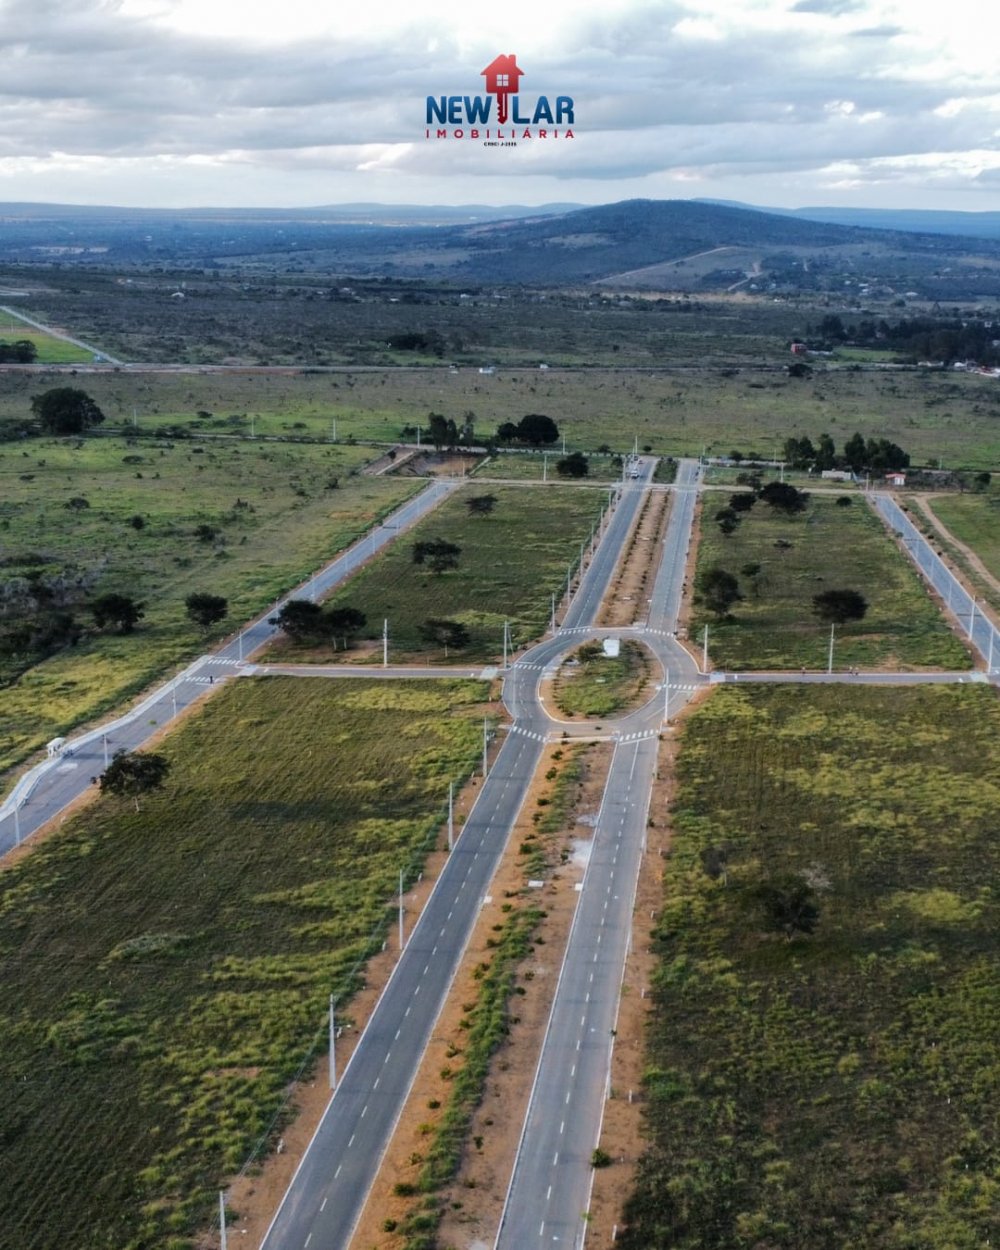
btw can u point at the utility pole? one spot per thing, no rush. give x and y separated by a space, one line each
385 643
545 466
240 644
829 659
553 611
989 658
569 580
401 938
333 429
173 696
222 1219
666 694
104 741
972 617
704 652
506 628
17 824
451 815
486 743
333 1045
135 419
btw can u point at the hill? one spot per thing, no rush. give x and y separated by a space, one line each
671 245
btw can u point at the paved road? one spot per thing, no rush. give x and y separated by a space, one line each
48 788
327 1193
550 1186
977 628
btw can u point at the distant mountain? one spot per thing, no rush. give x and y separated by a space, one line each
658 245
980 225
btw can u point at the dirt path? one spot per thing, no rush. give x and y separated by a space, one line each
923 502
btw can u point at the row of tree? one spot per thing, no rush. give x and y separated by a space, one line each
944 339
20 352
860 455
718 591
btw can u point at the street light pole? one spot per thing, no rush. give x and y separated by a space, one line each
829 661
385 643
451 815
666 694
972 617
485 747
17 824
222 1219
704 652
333 1045
104 740
553 611
505 627
401 937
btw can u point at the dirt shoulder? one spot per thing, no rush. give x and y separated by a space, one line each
923 503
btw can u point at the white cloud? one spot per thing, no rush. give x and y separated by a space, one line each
194 100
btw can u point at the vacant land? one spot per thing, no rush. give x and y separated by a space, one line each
687 411
512 560
591 683
838 1089
975 521
50 349
166 973
156 520
783 561
541 466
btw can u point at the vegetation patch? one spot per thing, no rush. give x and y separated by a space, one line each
509 562
591 683
166 973
781 560
156 522
829 1081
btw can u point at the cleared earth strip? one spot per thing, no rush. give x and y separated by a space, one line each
626 597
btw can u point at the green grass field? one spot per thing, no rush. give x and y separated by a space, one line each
290 521
539 466
933 416
831 548
51 350
512 561
165 974
601 685
974 520
835 1090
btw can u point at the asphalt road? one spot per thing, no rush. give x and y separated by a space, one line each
327 1193
977 629
550 1186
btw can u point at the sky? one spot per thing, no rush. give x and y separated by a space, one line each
785 103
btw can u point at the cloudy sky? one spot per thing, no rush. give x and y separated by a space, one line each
774 102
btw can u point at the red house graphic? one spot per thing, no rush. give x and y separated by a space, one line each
501 80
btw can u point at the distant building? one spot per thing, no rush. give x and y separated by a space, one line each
799 349
895 479
837 475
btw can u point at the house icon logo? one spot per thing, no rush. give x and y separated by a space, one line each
513 120
502 77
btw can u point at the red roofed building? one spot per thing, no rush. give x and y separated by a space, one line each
502 75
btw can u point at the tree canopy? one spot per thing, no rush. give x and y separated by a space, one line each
575 465
437 553
534 428
132 775
205 609
787 904
440 631
66 410
481 505
120 610
784 497
836 607
718 590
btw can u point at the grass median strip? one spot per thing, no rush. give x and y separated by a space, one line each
822 1064
166 972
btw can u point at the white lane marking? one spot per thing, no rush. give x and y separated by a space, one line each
406 1012
562 1126
396 1038
548 1193
308 1239
364 1110
555 1159
322 1205
351 1142
337 1173
417 989
388 1053
377 1079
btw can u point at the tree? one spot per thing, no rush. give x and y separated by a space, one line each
783 497
718 590
481 505
826 453
836 607
120 610
344 623
130 776
66 410
20 352
536 428
727 520
301 619
799 453
206 610
575 464
442 430
437 553
742 501
854 452
452 635
507 432
788 904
